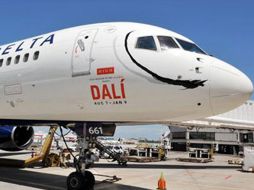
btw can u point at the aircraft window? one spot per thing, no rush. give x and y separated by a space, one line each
17 58
167 42
1 62
8 61
36 55
188 46
26 56
146 42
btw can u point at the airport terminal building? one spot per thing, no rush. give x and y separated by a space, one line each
227 141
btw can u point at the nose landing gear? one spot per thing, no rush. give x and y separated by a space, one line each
82 179
87 139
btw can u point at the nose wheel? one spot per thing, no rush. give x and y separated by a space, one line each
80 181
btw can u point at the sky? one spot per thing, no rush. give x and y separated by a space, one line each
224 29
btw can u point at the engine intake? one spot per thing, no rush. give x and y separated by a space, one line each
16 138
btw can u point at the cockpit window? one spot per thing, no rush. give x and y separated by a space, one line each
146 42
167 42
188 46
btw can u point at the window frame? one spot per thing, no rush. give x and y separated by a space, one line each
17 59
8 61
170 48
202 51
36 55
154 40
26 57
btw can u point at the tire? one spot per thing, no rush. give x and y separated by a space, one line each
89 180
77 181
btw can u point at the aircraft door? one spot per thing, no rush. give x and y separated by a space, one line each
82 54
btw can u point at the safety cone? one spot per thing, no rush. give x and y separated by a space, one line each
162 183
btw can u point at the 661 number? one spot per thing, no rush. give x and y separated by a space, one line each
95 131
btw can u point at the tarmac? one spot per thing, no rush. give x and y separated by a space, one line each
217 175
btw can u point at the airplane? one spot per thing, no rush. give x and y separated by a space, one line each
93 77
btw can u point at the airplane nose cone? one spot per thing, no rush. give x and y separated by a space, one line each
230 88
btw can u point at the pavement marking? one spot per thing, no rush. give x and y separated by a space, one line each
227 177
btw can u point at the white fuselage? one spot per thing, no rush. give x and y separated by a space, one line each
97 73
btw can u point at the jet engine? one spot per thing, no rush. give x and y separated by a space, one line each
16 138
